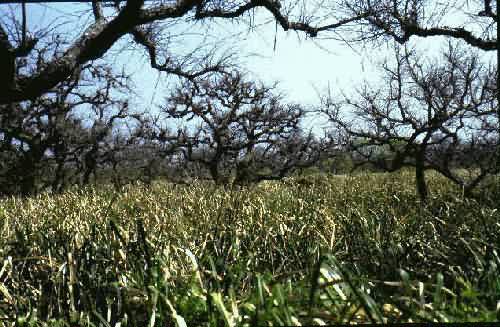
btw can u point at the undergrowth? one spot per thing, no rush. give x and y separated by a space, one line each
316 250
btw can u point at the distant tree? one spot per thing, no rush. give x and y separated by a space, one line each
153 26
45 143
426 115
152 152
238 129
98 142
472 22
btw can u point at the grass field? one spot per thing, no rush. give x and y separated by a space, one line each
315 250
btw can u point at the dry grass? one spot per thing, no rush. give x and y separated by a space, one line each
304 250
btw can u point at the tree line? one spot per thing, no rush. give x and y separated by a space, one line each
66 118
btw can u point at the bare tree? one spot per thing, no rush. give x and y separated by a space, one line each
351 20
47 143
426 115
472 21
151 26
146 24
239 129
153 152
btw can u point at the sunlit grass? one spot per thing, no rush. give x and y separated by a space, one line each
306 250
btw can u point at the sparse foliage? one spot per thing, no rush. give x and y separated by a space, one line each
426 115
48 144
240 130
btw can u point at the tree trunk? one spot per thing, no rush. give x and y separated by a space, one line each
27 186
28 169
90 165
497 168
420 175
214 173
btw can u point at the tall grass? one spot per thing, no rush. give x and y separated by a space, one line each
309 250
